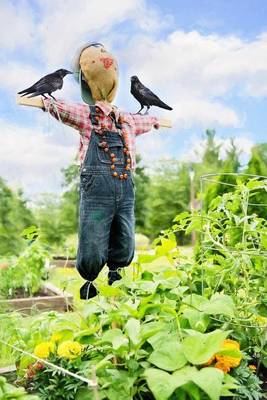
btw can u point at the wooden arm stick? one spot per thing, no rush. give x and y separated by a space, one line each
165 123
33 102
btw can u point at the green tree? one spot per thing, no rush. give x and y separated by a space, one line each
142 184
70 199
210 160
48 215
14 217
169 195
257 164
226 182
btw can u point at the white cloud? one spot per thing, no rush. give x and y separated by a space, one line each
64 28
196 147
195 73
188 113
17 26
153 145
16 76
31 158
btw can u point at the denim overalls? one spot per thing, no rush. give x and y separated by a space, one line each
106 210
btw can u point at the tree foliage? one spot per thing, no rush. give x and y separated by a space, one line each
14 217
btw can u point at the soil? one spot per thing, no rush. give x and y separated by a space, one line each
21 294
63 258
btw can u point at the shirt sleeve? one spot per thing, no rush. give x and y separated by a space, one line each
141 123
74 115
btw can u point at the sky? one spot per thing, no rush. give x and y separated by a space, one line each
205 58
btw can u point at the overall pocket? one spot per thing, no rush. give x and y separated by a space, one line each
86 181
115 148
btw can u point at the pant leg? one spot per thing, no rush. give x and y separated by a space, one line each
94 231
122 239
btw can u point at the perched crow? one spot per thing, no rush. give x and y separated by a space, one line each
48 84
145 96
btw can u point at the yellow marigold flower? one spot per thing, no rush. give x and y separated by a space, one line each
69 349
56 337
44 349
252 368
261 321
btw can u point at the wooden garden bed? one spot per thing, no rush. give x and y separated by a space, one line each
52 298
63 262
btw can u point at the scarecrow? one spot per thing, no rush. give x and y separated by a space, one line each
107 162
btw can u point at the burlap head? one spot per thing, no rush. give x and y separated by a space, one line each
99 73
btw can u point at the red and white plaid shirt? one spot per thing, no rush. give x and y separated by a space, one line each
78 117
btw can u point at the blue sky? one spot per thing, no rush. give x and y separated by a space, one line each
206 58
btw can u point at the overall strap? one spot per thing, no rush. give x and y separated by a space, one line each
93 115
117 123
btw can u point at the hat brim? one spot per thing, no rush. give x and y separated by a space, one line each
85 90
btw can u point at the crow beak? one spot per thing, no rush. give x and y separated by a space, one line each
69 72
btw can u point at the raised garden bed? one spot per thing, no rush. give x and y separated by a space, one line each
48 298
63 262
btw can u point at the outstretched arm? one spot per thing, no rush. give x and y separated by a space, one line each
144 123
74 115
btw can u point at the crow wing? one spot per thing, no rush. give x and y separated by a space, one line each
49 83
149 96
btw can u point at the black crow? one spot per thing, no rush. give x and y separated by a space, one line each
145 96
48 84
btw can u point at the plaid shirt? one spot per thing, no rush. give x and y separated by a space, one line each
77 116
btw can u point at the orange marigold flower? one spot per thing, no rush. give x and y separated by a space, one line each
210 361
224 362
222 366
231 362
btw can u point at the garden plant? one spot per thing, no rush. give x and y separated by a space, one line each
173 327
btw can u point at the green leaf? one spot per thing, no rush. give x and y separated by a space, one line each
116 337
148 286
132 329
181 216
165 247
210 381
169 355
199 348
196 319
84 334
159 264
219 304
195 225
184 376
230 353
192 390
110 291
161 384
158 338
150 329
196 301
85 394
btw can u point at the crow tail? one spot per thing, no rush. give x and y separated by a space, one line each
27 91
163 105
